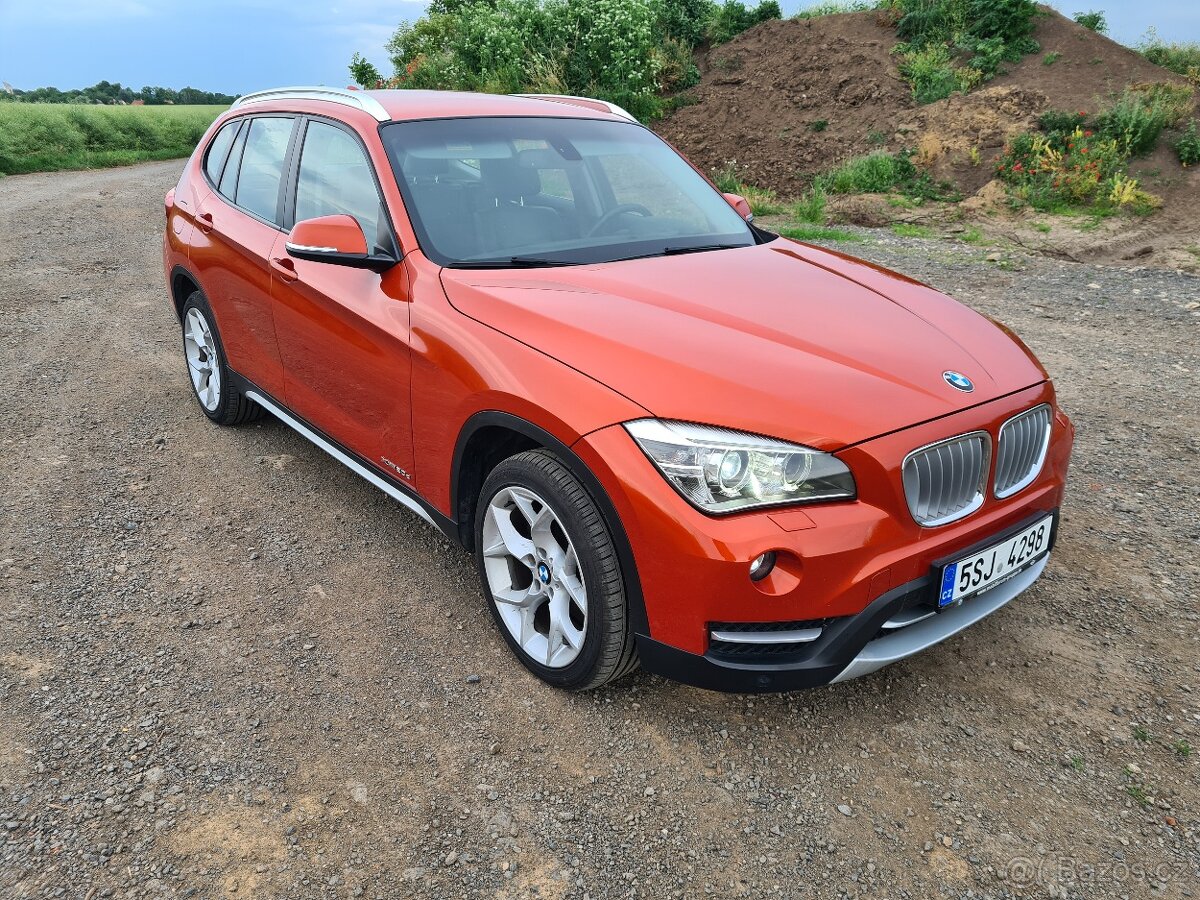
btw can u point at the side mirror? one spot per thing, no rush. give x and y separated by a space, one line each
738 202
335 239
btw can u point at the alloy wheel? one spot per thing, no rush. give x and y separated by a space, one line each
534 577
201 351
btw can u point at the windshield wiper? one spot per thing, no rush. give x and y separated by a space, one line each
512 262
702 248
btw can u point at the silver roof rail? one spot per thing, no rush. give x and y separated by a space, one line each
571 100
356 99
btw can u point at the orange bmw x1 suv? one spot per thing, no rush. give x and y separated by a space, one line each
666 435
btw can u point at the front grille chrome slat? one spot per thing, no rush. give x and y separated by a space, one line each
1024 440
945 482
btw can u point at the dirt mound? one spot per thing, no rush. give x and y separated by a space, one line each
790 98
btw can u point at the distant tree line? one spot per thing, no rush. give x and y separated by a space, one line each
112 93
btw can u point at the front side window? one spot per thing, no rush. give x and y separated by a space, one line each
262 167
335 177
511 191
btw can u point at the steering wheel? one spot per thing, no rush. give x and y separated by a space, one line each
616 211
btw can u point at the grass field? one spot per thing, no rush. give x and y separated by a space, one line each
46 137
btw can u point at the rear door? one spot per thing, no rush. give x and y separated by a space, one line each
344 332
237 228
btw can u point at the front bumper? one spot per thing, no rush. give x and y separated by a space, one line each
850 648
846 568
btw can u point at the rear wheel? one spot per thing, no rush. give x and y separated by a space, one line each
551 573
209 371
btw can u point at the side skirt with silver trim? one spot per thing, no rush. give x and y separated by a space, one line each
351 464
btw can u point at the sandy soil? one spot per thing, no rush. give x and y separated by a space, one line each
228 667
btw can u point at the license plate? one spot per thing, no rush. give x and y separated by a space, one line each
989 568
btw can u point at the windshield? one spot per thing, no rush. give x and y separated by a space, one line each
508 191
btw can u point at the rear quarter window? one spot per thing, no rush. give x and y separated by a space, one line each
218 151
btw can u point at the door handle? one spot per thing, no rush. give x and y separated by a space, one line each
204 222
284 268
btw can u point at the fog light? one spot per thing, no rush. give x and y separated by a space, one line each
762 566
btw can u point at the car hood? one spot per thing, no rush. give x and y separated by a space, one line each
781 339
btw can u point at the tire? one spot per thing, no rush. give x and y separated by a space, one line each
208 369
538 569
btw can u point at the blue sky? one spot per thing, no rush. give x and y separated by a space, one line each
240 45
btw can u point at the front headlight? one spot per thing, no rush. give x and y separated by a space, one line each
723 471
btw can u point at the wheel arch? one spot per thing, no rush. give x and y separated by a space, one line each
182 284
488 438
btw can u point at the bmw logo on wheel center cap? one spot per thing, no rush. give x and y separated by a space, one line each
543 571
959 381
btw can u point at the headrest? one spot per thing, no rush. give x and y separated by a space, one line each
540 158
425 167
509 181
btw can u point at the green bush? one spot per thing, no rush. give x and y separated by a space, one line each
1056 121
835 7
763 201
986 33
1141 113
726 178
1181 58
810 208
43 137
875 173
732 18
933 75
1093 21
881 173
1188 146
626 51
687 20
1080 170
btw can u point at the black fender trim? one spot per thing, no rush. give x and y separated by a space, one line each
639 621
176 271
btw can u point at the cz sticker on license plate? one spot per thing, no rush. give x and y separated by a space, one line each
989 568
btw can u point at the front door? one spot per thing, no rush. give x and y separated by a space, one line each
344 332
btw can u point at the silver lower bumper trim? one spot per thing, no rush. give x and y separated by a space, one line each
920 635
797 636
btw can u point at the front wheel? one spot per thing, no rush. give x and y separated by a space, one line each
551 573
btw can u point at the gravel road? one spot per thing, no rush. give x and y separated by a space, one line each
228 667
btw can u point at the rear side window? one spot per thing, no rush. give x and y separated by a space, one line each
335 177
218 150
262 167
